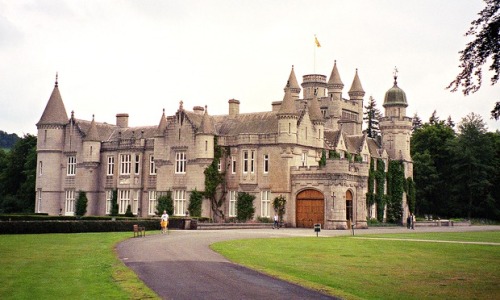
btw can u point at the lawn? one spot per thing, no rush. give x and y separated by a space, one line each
355 268
66 266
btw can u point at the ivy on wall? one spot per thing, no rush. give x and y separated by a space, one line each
213 182
322 161
380 187
395 189
411 194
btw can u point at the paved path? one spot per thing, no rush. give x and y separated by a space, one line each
181 265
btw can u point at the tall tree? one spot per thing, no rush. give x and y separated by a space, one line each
450 123
472 169
371 117
486 44
416 122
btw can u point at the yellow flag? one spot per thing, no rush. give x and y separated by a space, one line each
317 42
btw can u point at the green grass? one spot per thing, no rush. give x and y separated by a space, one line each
485 236
378 269
66 266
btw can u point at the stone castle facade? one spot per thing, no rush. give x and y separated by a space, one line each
268 154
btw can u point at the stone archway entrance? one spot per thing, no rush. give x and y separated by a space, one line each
348 208
310 209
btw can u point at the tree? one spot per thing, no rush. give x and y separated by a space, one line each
279 205
128 212
371 116
416 122
166 203
450 123
486 44
472 168
195 200
81 204
114 204
434 119
244 206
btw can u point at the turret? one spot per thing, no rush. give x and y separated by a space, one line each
294 85
314 83
50 157
287 118
356 94
335 84
205 137
92 144
317 120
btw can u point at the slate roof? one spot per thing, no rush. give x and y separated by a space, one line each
54 112
252 123
335 77
110 132
356 84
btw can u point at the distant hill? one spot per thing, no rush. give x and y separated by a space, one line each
7 140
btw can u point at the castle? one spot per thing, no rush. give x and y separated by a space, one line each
268 154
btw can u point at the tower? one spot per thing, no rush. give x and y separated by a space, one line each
205 137
395 126
88 175
335 87
50 155
353 117
287 118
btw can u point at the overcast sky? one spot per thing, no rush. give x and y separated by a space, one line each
138 57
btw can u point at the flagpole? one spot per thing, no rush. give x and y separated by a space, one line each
314 64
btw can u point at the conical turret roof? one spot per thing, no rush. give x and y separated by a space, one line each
92 134
287 105
335 80
55 112
207 125
292 82
314 110
356 85
162 126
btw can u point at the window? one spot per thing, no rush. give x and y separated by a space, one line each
179 202
71 168
245 161
265 209
365 157
111 166
266 163
109 199
152 203
123 201
180 162
152 166
137 164
125 164
135 203
252 161
232 203
39 193
40 168
233 165
342 154
219 165
303 159
69 205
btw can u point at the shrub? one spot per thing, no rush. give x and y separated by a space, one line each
165 202
81 204
195 200
244 206
129 213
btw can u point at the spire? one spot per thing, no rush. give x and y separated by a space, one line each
287 105
314 110
55 112
356 88
292 83
335 82
92 134
206 126
162 126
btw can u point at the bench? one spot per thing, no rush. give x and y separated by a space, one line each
139 231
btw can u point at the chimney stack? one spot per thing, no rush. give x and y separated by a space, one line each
122 120
234 108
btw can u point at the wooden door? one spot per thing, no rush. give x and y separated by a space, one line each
310 209
348 209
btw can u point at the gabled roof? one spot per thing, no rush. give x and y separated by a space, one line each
55 112
354 142
162 126
109 132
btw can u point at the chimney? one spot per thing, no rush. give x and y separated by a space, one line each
234 108
276 105
122 120
198 110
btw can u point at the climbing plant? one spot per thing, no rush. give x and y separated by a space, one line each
332 154
411 194
214 181
370 197
322 161
380 187
395 190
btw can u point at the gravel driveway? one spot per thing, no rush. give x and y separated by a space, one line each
180 265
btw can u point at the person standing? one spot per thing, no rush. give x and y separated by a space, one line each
164 222
408 222
413 219
276 224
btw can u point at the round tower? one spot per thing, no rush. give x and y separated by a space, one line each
287 118
50 146
314 83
